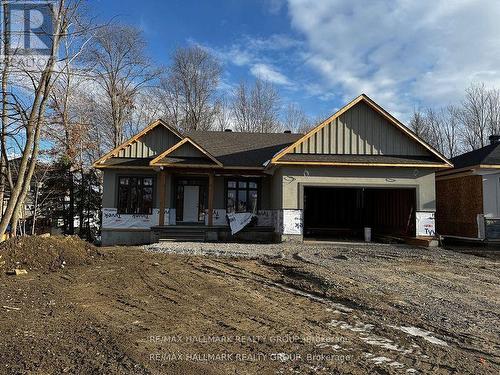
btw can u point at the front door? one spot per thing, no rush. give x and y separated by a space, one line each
191 203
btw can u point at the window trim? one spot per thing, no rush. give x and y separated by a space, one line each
117 191
257 180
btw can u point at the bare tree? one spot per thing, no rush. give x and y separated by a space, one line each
33 115
189 89
222 110
450 130
474 117
118 59
296 120
147 109
440 128
493 105
5 172
242 110
417 123
434 129
256 109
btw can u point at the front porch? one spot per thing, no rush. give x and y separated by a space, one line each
193 204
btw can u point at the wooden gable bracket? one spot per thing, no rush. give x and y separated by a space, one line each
378 109
156 160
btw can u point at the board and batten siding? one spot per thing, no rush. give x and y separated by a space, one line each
360 131
187 150
150 144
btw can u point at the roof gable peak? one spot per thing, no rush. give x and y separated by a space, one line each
135 138
388 118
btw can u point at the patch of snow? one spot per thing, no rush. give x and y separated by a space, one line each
371 339
382 360
299 292
382 342
426 335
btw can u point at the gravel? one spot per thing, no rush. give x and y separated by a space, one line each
231 250
257 251
451 295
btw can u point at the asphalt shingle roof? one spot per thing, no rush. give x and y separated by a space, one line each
240 149
237 149
486 155
382 159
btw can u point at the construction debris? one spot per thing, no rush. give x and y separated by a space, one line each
11 308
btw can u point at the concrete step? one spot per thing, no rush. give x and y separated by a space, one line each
175 235
182 239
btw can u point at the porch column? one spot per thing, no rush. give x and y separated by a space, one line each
210 199
161 189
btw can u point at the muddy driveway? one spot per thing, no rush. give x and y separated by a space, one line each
307 309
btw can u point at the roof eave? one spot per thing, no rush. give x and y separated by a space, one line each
356 164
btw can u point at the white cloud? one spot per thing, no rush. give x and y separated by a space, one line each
269 73
275 42
260 56
400 52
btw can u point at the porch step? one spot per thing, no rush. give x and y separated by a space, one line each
182 239
199 233
186 237
180 233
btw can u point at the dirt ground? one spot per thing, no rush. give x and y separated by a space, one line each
329 308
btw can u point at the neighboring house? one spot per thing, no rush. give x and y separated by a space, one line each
359 168
468 195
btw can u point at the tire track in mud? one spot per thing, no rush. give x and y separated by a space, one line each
289 288
400 353
378 347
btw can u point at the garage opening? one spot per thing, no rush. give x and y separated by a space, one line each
342 213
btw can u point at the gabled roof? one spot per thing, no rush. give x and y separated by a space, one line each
221 149
280 158
160 159
135 138
486 156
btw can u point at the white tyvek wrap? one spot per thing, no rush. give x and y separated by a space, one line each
292 222
111 219
426 224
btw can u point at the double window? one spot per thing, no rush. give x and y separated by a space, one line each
135 195
242 195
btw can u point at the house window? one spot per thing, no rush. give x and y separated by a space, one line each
135 195
242 196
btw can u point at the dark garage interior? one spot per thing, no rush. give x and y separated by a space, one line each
343 212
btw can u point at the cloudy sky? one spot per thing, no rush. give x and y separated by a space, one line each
404 54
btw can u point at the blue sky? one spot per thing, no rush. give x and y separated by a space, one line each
322 53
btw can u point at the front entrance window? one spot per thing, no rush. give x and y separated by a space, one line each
135 195
242 195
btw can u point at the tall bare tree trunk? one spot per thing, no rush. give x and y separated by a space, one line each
33 129
35 210
4 168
